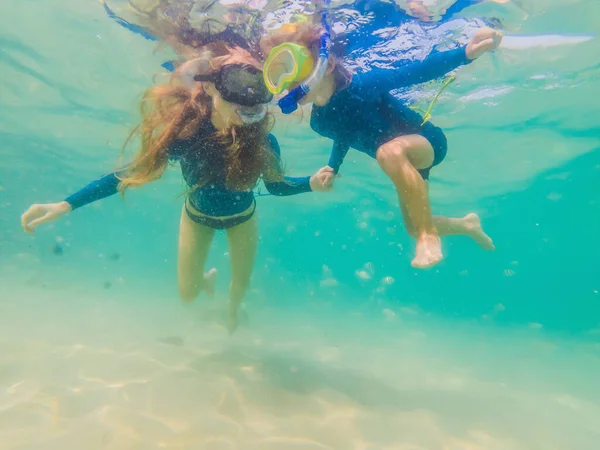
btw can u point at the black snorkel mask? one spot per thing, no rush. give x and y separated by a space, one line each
242 85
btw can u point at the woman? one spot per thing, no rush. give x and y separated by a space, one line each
216 127
360 112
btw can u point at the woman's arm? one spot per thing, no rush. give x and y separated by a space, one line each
49 212
289 186
109 184
294 185
96 190
130 26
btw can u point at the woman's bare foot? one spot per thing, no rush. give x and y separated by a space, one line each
475 232
209 282
232 319
429 251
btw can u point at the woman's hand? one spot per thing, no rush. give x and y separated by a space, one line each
322 180
485 40
48 212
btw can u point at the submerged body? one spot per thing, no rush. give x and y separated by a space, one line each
365 115
362 114
208 194
219 135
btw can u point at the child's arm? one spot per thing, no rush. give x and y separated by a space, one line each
432 67
338 153
459 5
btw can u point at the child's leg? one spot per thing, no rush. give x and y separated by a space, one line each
400 158
470 226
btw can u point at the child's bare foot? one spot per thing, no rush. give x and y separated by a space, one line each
475 232
429 251
209 282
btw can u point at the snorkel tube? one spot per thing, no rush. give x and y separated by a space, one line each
289 103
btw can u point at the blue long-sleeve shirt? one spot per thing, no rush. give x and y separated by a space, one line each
388 14
213 198
365 115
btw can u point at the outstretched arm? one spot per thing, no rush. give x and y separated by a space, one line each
130 26
96 190
432 67
109 184
459 5
49 212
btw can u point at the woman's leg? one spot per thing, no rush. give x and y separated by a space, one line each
242 240
194 243
400 158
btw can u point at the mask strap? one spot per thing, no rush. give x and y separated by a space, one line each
205 77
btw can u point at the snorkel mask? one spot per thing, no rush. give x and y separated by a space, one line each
241 85
286 64
298 69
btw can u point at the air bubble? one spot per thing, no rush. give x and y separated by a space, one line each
363 275
388 280
389 314
329 282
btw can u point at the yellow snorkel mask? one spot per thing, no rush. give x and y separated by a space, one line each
291 63
287 63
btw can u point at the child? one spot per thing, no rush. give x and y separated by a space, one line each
360 112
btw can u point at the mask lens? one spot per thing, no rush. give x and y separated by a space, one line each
281 70
244 85
286 64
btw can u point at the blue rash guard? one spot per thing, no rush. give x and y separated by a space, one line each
458 6
213 198
392 13
364 115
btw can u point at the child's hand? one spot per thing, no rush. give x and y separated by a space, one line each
322 180
419 10
485 40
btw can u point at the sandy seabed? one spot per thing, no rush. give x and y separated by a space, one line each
106 370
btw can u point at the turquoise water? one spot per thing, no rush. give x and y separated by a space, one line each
485 351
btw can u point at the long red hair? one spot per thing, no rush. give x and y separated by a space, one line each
173 111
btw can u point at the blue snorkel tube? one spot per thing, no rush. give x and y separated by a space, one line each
289 103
